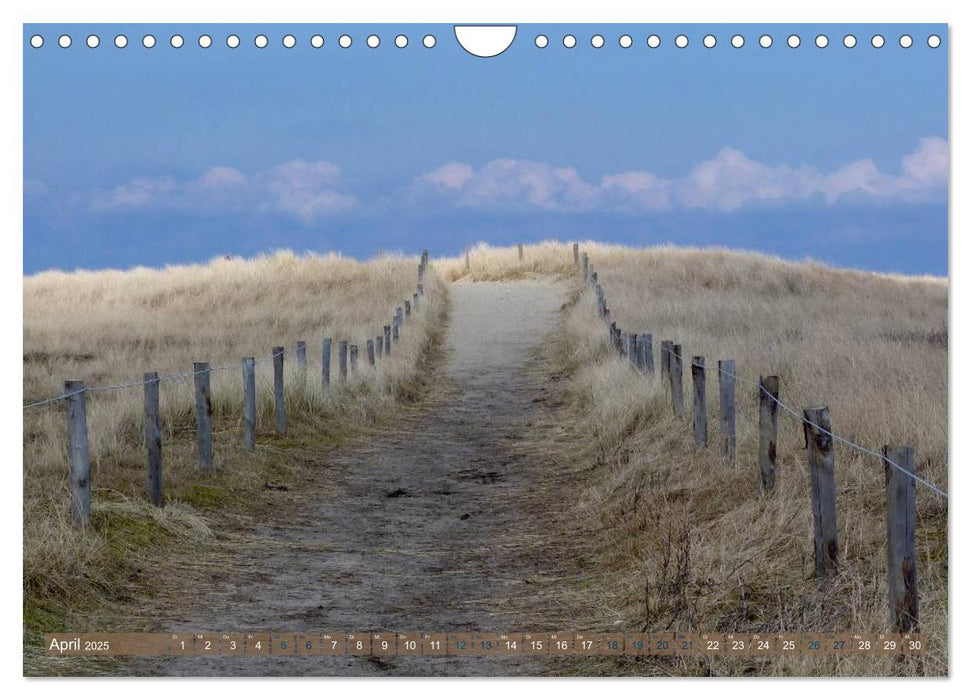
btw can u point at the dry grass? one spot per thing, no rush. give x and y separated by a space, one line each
109 327
688 543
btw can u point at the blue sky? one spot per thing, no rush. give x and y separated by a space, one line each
156 156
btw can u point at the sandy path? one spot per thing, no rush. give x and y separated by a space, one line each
443 525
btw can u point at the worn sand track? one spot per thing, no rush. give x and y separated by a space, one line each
447 523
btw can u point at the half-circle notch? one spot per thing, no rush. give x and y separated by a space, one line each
485 41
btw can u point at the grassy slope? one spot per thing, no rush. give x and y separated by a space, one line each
688 542
109 327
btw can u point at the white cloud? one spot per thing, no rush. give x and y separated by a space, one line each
302 189
728 181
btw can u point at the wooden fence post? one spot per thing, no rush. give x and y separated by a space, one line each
468 262
726 408
153 438
407 308
677 385
646 346
325 360
520 252
666 363
822 474
379 344
353 353
901 538
576 255
421 290
768 431
387 340
414 301
700 413
302 362
279 395
342 359
77 451
249 403
586 267
370 352
200 371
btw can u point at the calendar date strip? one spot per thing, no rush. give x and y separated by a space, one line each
481 643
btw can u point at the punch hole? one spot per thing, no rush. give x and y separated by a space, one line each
738 41
484 40
709 41
541 41
877 41
316 41
205 41
261 41
64 41
36 41
401 41
793 41
289 41
344 41
429 41
569 41
906 41
849 41
232 41
625 41
765 41
121 41
681 41
93 41
176 41
148 41
597 41
934 41
653 41
373 41
822 41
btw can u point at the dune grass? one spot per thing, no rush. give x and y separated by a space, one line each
687 541
109 327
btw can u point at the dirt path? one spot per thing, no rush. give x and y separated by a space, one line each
449 524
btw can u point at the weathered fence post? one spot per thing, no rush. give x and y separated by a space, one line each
387 340
353 358
325 361
822 474
576 255
468 262
153 438
520 252
77 451
200 371
586 268
666 363
414 301
901 538
700 413
279 395
768 431
396 325
646 346
370 352
421 290
407 308
249 403
726 408
342 359
677 385
302 362
379 342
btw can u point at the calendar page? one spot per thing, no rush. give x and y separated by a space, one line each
510 349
